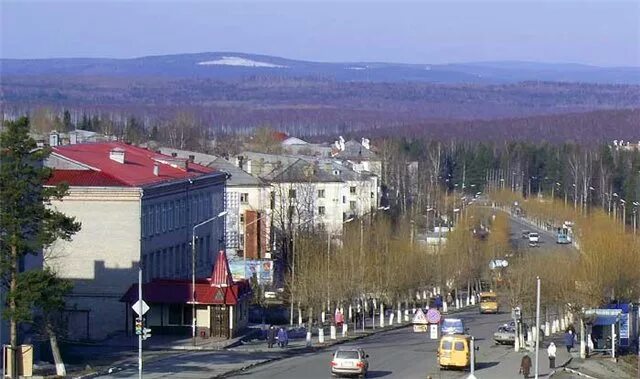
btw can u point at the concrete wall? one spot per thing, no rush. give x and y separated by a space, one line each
102 258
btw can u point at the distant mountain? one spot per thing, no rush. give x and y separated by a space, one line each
230 65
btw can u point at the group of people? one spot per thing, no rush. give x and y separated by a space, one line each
569 341
281 336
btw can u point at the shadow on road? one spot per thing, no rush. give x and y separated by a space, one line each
378 374
483 365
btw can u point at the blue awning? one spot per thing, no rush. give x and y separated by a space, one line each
605 320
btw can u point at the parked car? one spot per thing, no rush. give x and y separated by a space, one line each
525 234
534 237
454 351
452 326
349 361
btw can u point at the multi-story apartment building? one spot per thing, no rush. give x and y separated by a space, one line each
247 203
136 206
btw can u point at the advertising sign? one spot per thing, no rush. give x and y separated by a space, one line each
263 269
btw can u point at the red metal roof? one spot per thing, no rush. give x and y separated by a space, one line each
136 171
169 291
221 275
84 178
218 289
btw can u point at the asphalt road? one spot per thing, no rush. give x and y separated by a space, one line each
547 239
399 353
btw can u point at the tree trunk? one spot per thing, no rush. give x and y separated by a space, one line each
55 350
13 324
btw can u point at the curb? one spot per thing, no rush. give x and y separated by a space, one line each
575 372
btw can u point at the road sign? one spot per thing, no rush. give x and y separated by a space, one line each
497 263
420 318
433 331
140 307
433 316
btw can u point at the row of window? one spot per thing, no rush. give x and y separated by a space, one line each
321 193
175 214
175 262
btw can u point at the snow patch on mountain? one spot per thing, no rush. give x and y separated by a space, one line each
240 62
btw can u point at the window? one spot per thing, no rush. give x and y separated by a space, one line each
344 199
170 216
321 194
459 346
292 194
446 345
292 210
242 219
157 217
175 314
352 205
244 198
352 190
344 216
321 210
164 217
372 195
187 314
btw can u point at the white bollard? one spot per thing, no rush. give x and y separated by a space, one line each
381 315
473 300
399 316
406 315
321 335
332 332
444 307
299 318
350 313
345 327
322 317
413 311
468 300
391 318
309 339
547 329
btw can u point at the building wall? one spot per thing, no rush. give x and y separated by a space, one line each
169 214
102 258
241 199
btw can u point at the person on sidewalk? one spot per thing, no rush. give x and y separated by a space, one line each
525 366
283 338
271 336
551 351
569 338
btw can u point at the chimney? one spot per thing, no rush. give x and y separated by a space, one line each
73 138
366 143
174 154
117 154
156 169
54 139
192 158
249 166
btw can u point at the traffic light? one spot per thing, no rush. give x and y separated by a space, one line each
138 325
146 333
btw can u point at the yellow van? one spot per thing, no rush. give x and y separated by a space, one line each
454 351
488 302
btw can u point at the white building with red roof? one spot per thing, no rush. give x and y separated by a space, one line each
136 206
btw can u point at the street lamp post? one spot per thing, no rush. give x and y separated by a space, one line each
624 214
193 274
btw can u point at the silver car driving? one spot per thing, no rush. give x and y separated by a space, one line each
350 361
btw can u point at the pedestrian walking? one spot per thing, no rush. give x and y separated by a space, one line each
438 302
569 337
551 351
283 338
271 336
525 366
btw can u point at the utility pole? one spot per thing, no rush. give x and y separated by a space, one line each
140 315
537 334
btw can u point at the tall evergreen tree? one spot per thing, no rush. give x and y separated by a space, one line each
67 125
27 223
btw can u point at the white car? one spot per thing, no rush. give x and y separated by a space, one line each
350 361
534 237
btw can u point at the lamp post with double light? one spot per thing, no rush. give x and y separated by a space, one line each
193 273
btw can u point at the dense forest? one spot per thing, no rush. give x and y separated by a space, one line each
312 106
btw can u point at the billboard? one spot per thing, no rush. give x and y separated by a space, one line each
263 269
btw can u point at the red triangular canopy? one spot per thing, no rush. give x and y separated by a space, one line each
221 275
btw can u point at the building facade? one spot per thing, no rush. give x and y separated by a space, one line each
136 207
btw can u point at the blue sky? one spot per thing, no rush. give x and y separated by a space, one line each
595 32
